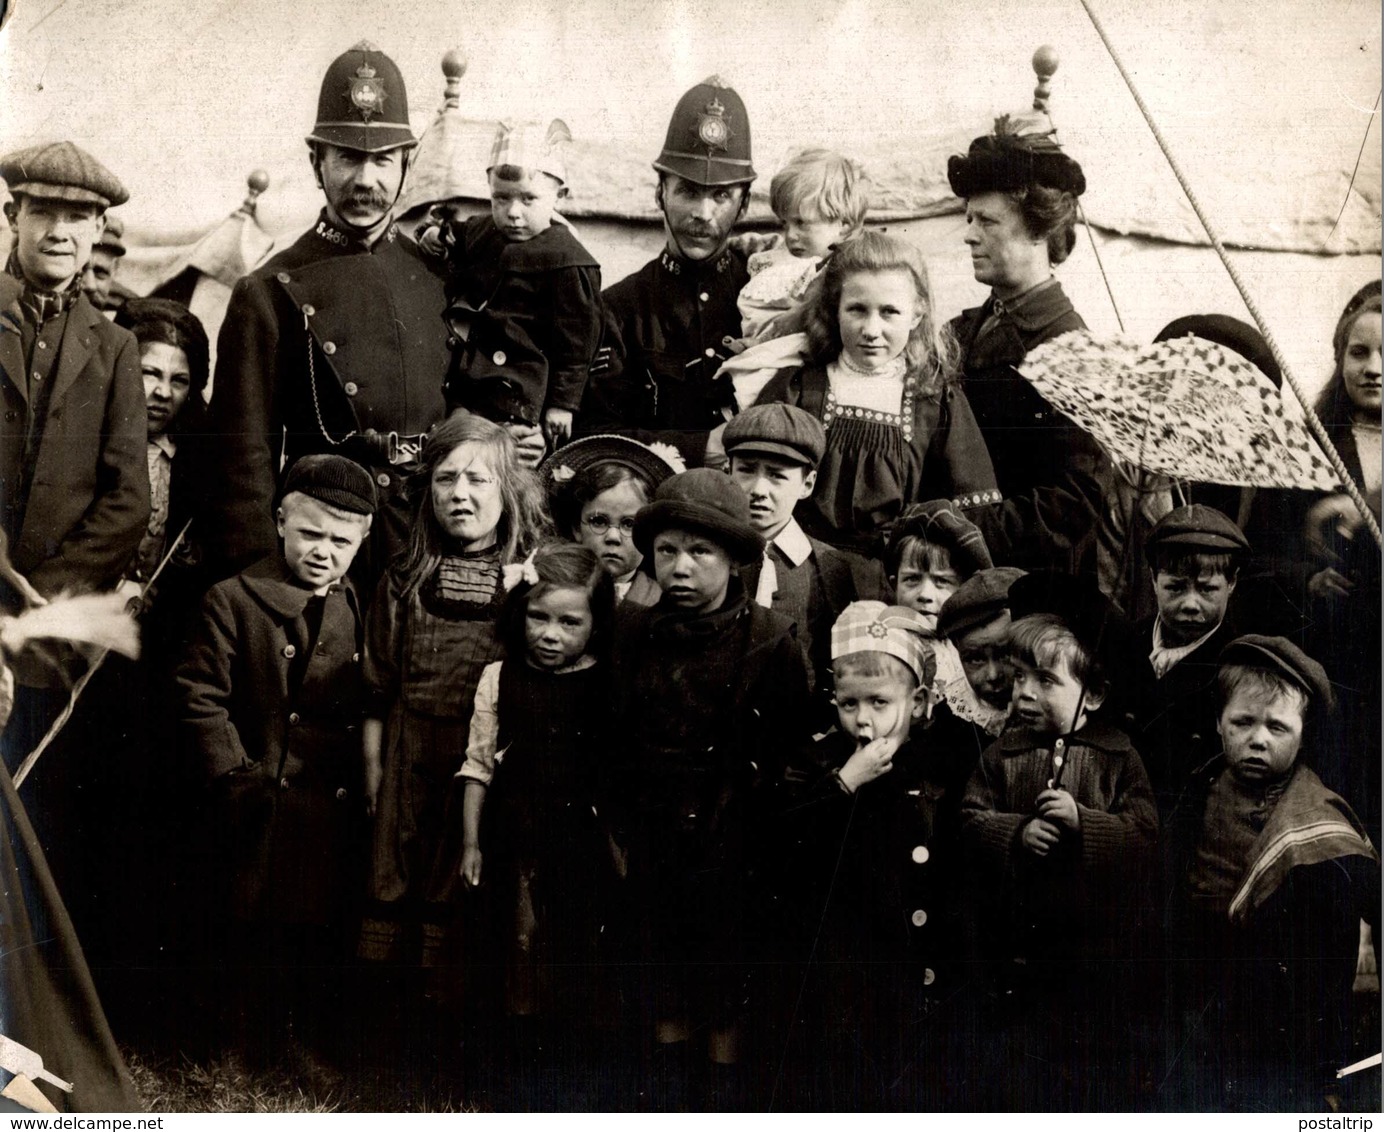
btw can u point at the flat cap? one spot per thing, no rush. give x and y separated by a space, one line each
1197 527
61 171
776 430
702 500
979 599
113 238
1283 658
334 480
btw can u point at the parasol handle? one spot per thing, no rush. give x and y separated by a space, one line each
1314 424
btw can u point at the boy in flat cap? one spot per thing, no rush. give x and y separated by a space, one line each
711 691
1270 875
877 847
524 296
975 619
1060 821
1194 554
272 705
75 489
98 279
774 451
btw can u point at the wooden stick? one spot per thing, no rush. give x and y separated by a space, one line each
63 716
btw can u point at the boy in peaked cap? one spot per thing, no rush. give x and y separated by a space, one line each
271 708
1270 874
1060 821
1194 555
524 295
711 691
774 451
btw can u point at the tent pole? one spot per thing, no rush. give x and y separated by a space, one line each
1314 424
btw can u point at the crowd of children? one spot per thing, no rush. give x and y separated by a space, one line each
773 784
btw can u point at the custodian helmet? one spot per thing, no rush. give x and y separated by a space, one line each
708 139
363 104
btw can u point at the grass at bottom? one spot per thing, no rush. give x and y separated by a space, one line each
224 1083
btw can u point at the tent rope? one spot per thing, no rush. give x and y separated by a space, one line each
1356 171
1314 423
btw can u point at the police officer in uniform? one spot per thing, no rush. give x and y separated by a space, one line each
666 323
337 343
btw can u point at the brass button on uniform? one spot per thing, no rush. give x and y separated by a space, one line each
341 793
919 918
308 308
705 297
282 277
352 389
929 976
382 479
290 652
920 854
500 357
710 353
329 348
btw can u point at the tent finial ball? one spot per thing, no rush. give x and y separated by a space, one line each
1045 61
257 181
454 63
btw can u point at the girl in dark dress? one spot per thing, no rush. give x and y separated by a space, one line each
531 820
881 380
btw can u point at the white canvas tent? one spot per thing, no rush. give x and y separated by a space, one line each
1267 104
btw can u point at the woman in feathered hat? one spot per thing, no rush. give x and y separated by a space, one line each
1021 203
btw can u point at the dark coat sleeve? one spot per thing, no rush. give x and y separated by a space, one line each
992 832
97 549
958 455
207 687
574 335
247 426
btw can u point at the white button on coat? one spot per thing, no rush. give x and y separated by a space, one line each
920 854
919 918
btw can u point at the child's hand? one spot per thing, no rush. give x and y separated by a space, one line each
872 761
557 426
471 865
1039 836
1059 807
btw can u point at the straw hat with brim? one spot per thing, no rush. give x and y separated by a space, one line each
572 459
705 501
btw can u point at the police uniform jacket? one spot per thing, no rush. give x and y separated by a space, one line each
272 714
328 347
535 308
665 327
1051 473
72 452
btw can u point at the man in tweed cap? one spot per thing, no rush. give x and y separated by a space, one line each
74 491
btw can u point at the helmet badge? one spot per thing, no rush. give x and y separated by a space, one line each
713 128
367 93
